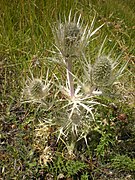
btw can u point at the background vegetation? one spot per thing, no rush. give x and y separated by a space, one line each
25 41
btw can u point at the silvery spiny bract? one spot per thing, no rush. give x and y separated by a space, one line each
68 36
72 36
79 116
36 90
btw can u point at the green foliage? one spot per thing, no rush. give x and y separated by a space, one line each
69 168
105 142
123 163
85 177
73 167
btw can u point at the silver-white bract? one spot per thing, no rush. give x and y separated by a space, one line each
36 89
72 36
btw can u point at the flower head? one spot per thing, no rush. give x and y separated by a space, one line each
101 72
72 36
36 90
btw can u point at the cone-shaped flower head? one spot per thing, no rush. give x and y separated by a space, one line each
71 32
72 37
37 89
101 72
68 39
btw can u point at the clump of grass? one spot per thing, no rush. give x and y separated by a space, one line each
123 162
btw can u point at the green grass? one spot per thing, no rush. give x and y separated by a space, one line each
26 40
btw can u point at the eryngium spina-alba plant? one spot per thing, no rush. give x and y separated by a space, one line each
71 39
73 110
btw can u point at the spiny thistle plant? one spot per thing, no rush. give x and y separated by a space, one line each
103 73
36 90
71 39
73 109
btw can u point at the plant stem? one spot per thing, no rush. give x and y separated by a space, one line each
70 77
